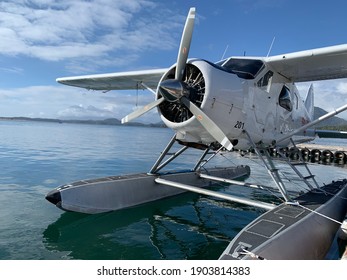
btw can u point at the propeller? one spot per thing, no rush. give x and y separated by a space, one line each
177 91
143 110
181 64
174 90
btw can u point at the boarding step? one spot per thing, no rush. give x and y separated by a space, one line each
298 163
274 170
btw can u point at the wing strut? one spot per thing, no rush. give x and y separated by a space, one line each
310 124
242 200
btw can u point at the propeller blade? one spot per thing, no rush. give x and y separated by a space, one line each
208 124
185 44
142 110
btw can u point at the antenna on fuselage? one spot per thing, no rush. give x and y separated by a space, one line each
226 48
273 41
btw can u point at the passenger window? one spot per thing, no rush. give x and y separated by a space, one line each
285 99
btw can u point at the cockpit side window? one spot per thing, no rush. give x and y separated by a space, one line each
265 82
285 99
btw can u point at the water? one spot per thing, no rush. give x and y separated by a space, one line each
35 157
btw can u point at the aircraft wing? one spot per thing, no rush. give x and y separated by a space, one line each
311 65
329 133
116 81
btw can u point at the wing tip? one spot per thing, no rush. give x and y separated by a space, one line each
124 120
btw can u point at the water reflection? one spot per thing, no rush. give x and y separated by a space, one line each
182 227
188 226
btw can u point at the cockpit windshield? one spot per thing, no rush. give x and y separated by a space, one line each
244 68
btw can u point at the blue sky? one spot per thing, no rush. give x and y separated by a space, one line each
42 40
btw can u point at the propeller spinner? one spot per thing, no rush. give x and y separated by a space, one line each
178 91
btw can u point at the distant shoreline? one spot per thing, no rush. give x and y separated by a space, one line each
109 121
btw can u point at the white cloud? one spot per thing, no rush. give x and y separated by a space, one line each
58 30
72 103
329 95
85 112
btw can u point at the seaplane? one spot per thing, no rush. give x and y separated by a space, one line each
233 105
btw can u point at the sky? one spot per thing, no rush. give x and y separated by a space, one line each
42 40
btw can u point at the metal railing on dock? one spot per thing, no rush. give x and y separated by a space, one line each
315 154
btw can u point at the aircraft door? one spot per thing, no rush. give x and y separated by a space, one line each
263 102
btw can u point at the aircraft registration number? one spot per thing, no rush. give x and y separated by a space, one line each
239 125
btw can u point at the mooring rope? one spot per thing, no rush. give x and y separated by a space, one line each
254 256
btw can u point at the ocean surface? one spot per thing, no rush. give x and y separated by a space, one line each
36 157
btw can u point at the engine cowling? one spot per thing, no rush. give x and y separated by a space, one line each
217 92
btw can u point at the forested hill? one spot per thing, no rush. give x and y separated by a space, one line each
110 121
334 123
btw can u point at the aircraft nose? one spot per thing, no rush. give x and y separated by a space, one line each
54 197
